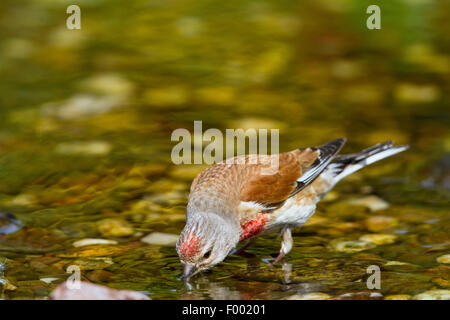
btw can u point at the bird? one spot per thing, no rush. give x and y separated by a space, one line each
240 199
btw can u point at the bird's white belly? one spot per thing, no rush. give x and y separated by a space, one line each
294 212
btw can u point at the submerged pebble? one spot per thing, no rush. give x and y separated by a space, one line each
444 259
435 294
374 203
350 246
379 223
161 239
310 296
115 228
89 242
80 106
48 280
91 148
93 263
379 238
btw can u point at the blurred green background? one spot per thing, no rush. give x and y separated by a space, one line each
86 117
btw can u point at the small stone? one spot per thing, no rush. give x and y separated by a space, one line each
93 263
310 296
379 223
398 297
92 148
160 239
23 200
115 228
90 242
350 246
435 294
412 93
379 238
81 106
48 280
364 295
372 202
108 84
444 259
400 266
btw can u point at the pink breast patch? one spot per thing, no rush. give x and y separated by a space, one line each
253 227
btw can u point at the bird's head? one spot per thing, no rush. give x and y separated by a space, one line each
206 240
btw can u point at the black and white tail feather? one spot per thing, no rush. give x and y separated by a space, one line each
338 167
346 164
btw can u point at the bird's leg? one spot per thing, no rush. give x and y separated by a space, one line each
244 246
286 244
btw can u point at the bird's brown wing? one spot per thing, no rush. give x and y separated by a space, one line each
296 170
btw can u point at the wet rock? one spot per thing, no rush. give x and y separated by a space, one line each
350 246
23 200
89 291
91 148
372 202
81 106
435 294
364 295
160 239
93 263
108 84
310 296
444 259
398 297
412 93
98 251
115 228
90 242
379 223
48 280
400 266
379 239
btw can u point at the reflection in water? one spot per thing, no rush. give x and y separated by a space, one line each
203 288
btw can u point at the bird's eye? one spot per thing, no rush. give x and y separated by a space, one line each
207 254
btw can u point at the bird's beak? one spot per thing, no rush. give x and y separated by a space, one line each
189 271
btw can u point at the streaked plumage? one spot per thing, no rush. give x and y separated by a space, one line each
237 200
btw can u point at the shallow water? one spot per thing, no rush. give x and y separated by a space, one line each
86 117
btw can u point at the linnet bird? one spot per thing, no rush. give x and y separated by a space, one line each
237 200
